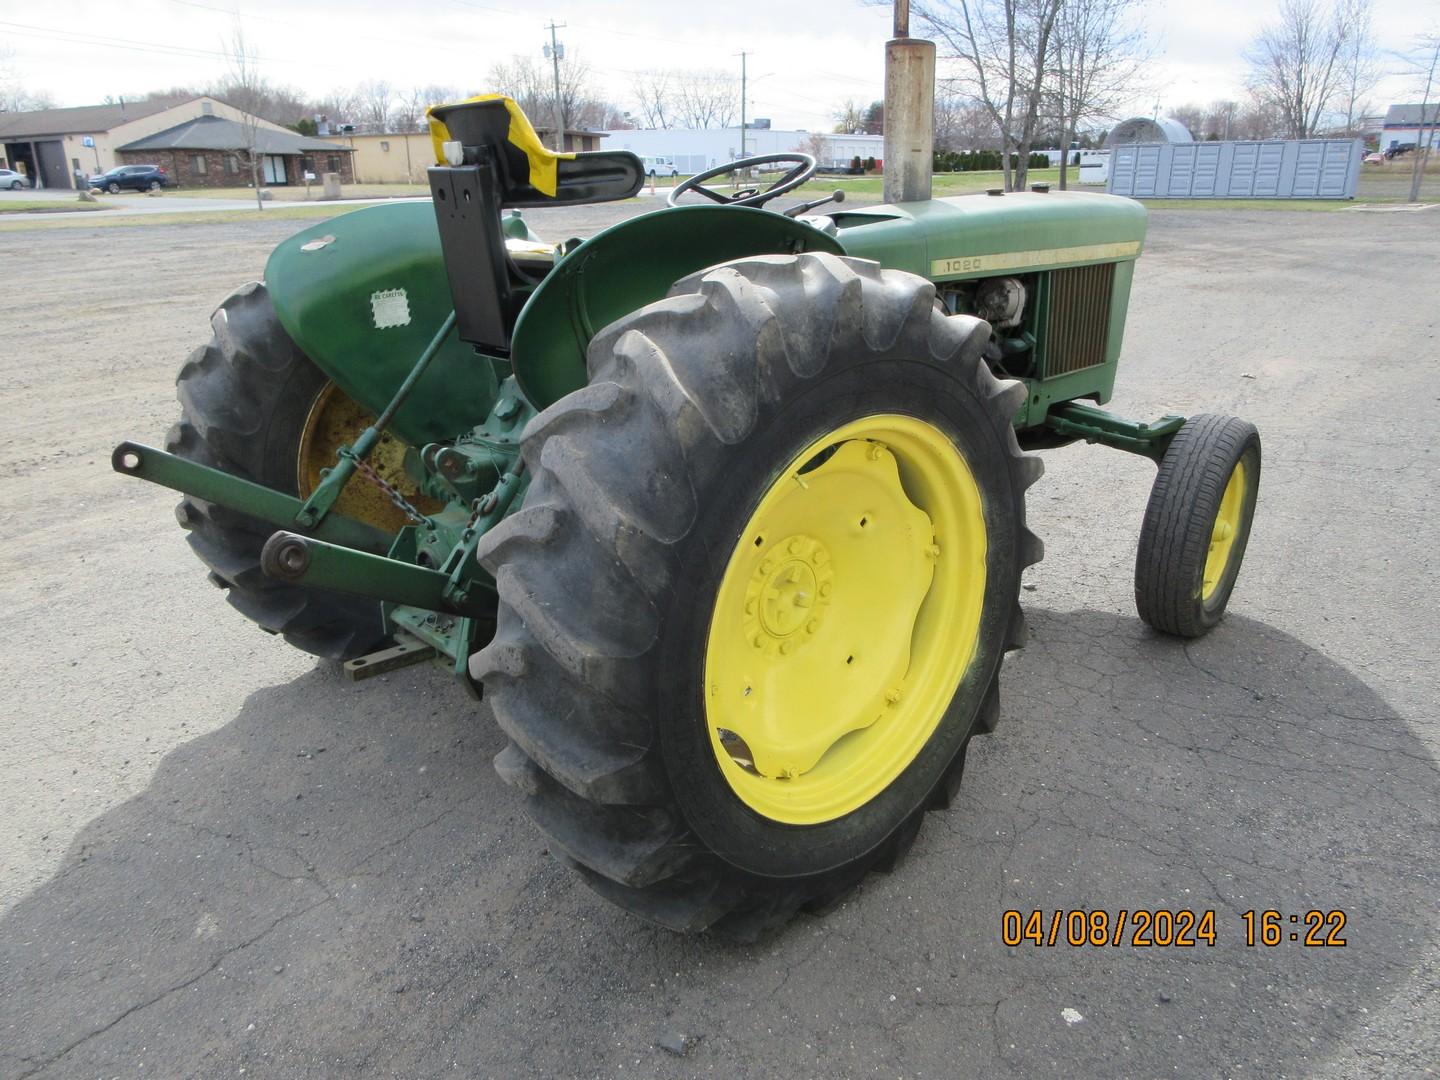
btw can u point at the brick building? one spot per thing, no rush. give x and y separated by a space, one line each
209 151
51 146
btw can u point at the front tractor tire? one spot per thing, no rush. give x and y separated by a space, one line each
247 398
756 601
1197 524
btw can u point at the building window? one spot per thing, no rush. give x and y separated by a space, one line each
384 146
197 164
334 163
232 165
207 109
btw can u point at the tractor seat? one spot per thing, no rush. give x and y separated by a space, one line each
493 126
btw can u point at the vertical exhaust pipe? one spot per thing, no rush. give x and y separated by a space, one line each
909 112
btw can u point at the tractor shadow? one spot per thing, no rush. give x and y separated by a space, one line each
337 883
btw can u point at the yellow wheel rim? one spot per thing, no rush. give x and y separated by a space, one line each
335 420
1224 531
848 612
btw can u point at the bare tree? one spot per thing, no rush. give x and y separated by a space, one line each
409 111
706 99
1296 63
1002 49
687 99
817 146
13 95
1255 118
1359 63
533 88
849 117
1219 120
1426 66
961 123
1099 52
1191 114
246 90
337 107
654 98
377 99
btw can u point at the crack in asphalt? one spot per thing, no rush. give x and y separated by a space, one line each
162 995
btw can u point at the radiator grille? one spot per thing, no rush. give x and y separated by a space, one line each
1079 320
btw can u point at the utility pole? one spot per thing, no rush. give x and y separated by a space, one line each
556 52
742 103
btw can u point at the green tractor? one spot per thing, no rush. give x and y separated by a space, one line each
723 508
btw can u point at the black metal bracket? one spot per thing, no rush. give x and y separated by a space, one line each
467 209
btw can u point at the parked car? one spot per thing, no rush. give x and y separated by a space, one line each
131 177
13 180
1374 158
1398 149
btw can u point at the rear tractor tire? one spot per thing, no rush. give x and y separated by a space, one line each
1197 524
755 603
247 400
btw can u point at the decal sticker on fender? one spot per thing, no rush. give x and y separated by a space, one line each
390 307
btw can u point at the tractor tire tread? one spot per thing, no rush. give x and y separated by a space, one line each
229 392
581 570
1175 534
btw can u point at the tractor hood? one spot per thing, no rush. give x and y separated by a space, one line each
970 236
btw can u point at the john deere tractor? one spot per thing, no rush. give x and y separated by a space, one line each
723 508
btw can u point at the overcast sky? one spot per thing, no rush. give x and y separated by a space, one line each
800 66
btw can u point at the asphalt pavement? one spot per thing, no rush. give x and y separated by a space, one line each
222 859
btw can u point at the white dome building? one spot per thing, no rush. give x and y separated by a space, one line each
1142 129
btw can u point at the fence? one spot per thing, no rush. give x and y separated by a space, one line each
1288 169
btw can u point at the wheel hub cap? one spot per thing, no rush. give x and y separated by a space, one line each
845 617
1222 533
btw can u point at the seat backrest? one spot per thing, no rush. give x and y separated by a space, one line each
529 173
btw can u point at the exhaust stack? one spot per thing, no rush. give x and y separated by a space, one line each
909 112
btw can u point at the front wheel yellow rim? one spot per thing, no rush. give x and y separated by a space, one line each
847 614
1224 531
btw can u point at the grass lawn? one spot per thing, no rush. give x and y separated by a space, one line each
1378 184
962 183
47 206
296 193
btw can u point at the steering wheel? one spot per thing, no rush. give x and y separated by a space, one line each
803 169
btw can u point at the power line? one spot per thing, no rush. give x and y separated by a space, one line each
388 39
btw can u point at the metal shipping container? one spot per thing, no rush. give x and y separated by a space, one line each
1275 169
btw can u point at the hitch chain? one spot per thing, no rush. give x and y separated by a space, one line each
363 467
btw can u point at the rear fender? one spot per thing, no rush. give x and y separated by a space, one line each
362 295
628 266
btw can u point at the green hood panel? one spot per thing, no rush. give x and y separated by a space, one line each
362 295
969 236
